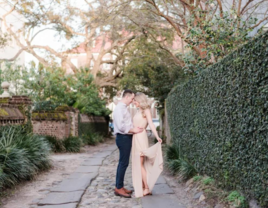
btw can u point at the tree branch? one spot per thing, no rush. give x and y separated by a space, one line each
220 7
15 57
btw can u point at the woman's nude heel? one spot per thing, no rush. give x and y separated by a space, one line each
146 192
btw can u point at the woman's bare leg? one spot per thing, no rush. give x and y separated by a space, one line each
143 173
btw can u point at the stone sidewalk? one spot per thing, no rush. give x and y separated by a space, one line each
92 184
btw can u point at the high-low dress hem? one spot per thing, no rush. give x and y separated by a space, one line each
153 160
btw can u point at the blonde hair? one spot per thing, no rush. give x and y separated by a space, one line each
143 101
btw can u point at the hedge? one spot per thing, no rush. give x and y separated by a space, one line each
219 120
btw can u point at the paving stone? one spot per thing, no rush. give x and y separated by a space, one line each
160 201
81 175
102 154
71 205
72 184
197 196
61 198
87 169
93 162
162 189
219 206
35 201
161 180
253 204
44 189
202 198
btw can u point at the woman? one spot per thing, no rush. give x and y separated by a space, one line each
147 163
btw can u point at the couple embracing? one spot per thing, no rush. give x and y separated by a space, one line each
147 162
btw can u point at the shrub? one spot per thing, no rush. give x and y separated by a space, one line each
92 138
22 156
172 152
174 166
208 181
236 199
219 120
197 178
98 137
55 144
72 144
187 170
178 164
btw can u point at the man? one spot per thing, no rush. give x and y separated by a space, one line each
123 129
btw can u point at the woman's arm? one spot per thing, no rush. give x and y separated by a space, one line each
151 124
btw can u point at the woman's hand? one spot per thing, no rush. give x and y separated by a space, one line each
159 139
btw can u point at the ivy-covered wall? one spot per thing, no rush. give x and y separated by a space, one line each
220 120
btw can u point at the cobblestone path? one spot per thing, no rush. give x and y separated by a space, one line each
90 185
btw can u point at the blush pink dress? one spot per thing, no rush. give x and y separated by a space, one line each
153 159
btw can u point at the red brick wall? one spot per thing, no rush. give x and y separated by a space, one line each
58 129
50 128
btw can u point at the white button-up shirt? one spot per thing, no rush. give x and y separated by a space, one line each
122 119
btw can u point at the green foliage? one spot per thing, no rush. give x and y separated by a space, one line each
217 37
197 178
236 199
69 144
51 87
177 164
219 120
172 152
151 71
4 39
86 96
55 144
92 138
187 170
208 181
72 144
174 166
22 156
92 127
88 139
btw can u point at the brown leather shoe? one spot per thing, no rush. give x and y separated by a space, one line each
121 192
128 191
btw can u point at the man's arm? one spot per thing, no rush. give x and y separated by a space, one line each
135 130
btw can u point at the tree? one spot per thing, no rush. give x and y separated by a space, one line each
81 25
151 70
49 88
208 31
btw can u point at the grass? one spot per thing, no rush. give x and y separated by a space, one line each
22 156
72 144
55 144
180 165
208 181
236 199
197 178
177 164
92 138
172 153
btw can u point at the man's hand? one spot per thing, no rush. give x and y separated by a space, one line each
136 130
